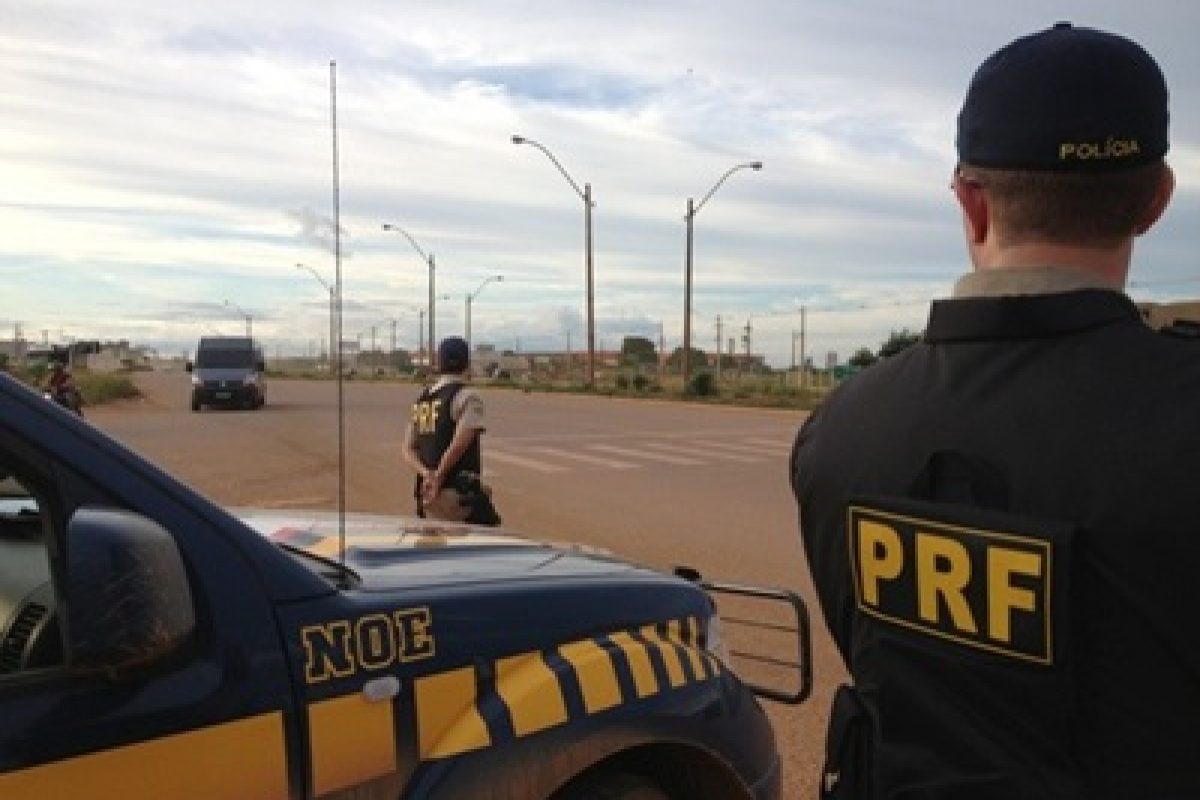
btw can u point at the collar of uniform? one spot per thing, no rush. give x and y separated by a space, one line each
1026 280
446 380
1027 316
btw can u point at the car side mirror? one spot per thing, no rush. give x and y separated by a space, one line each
129 603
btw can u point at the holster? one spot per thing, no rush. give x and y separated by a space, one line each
849 771
420 500
478 496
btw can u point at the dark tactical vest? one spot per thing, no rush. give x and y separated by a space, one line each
435 428
1015 595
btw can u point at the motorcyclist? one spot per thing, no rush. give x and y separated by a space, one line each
60 386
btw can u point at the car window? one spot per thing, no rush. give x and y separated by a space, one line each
30 636
225 359
15 499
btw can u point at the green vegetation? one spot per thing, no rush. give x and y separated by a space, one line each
640 375
99 388
898 341
96 388
863 358
635 382
637 351
702 384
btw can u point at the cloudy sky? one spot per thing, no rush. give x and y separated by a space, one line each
165 166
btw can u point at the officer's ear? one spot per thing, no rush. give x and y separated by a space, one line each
1162 198
972 199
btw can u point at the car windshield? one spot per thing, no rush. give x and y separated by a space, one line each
225 359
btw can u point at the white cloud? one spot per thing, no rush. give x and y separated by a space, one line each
152 154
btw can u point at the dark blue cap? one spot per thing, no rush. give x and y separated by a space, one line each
1066 99
453 354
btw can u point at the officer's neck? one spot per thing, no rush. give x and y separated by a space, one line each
1109 266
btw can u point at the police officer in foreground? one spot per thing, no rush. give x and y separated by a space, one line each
442 443
1001 521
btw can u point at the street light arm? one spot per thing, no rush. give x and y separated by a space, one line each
517 139
389 227
748 165
482 286
316 275
246 314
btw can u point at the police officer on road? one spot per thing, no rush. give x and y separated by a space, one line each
1001 520
442 443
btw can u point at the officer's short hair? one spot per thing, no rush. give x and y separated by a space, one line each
1075 208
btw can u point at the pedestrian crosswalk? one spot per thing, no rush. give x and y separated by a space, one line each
510 455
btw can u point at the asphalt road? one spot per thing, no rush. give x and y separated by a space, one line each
658 482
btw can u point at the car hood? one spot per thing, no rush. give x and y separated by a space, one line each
391 551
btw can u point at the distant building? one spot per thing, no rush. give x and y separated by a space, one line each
1160 315
743 361
14 350
118 357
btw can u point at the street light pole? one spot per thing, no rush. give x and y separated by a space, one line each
244 313
692 210
471 298
585 194
332 310
428 258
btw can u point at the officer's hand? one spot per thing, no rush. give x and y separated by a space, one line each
431 484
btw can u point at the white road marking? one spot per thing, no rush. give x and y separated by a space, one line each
783 447
663 457
701 450
528 463
748 449
610 463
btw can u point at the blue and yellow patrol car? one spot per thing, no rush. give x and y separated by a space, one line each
153 645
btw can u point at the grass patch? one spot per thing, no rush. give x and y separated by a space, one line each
96 388
99 388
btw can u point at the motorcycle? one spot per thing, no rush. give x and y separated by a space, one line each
66 396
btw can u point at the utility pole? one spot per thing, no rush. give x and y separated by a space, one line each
746 338
719 359
662 348
803 357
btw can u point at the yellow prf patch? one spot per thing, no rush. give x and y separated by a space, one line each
987 589
425 416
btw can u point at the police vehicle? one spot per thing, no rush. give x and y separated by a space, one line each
153 645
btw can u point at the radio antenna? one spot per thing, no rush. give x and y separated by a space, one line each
337 260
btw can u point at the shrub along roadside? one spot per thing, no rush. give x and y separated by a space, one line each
99 388
96 388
